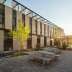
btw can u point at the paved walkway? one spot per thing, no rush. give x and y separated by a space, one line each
21 64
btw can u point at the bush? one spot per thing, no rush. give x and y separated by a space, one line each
64 46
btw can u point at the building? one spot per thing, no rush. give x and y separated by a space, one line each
68 39
43 32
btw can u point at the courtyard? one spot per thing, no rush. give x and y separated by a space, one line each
22 64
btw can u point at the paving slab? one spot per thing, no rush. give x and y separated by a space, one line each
22 64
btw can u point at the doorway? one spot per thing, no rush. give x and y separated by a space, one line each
50 42
38 42
8 41
45 42
29 43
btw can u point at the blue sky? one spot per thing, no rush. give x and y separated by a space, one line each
57 11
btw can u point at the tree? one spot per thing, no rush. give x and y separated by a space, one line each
21 33
64 46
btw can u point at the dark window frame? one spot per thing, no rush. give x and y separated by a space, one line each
36 22
23 19
44 29
14 19
41 28
2 14
30 24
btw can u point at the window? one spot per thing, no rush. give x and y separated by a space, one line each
44 29
8 41
30 24
2 15
36 25
48 31
14 20
0 19
40 28
23 19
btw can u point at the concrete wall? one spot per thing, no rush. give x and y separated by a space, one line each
8 18
1 40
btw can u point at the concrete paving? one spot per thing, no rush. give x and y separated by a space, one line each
22 64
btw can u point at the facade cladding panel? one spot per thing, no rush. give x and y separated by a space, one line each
27 21
34 41
48 41
33 27
8 18
42 42
38 28
42 29
1 40
19 17
46 30
2 16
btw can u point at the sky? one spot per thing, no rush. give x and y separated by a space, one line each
57 11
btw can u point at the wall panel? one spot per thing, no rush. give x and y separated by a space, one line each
8 18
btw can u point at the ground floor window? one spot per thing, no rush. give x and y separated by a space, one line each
29 43
38 42
8 41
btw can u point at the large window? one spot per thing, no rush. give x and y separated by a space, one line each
14 20
31 24
2 15
44 29
23 19
48 31
40 28
8 41
36 25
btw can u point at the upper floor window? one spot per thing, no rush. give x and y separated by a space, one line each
14 20
30 24
2 14
0 18
23 19
44 29
40 28
36 25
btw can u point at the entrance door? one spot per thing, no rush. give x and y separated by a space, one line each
38 42
8 41
29 43
45 41
50 42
